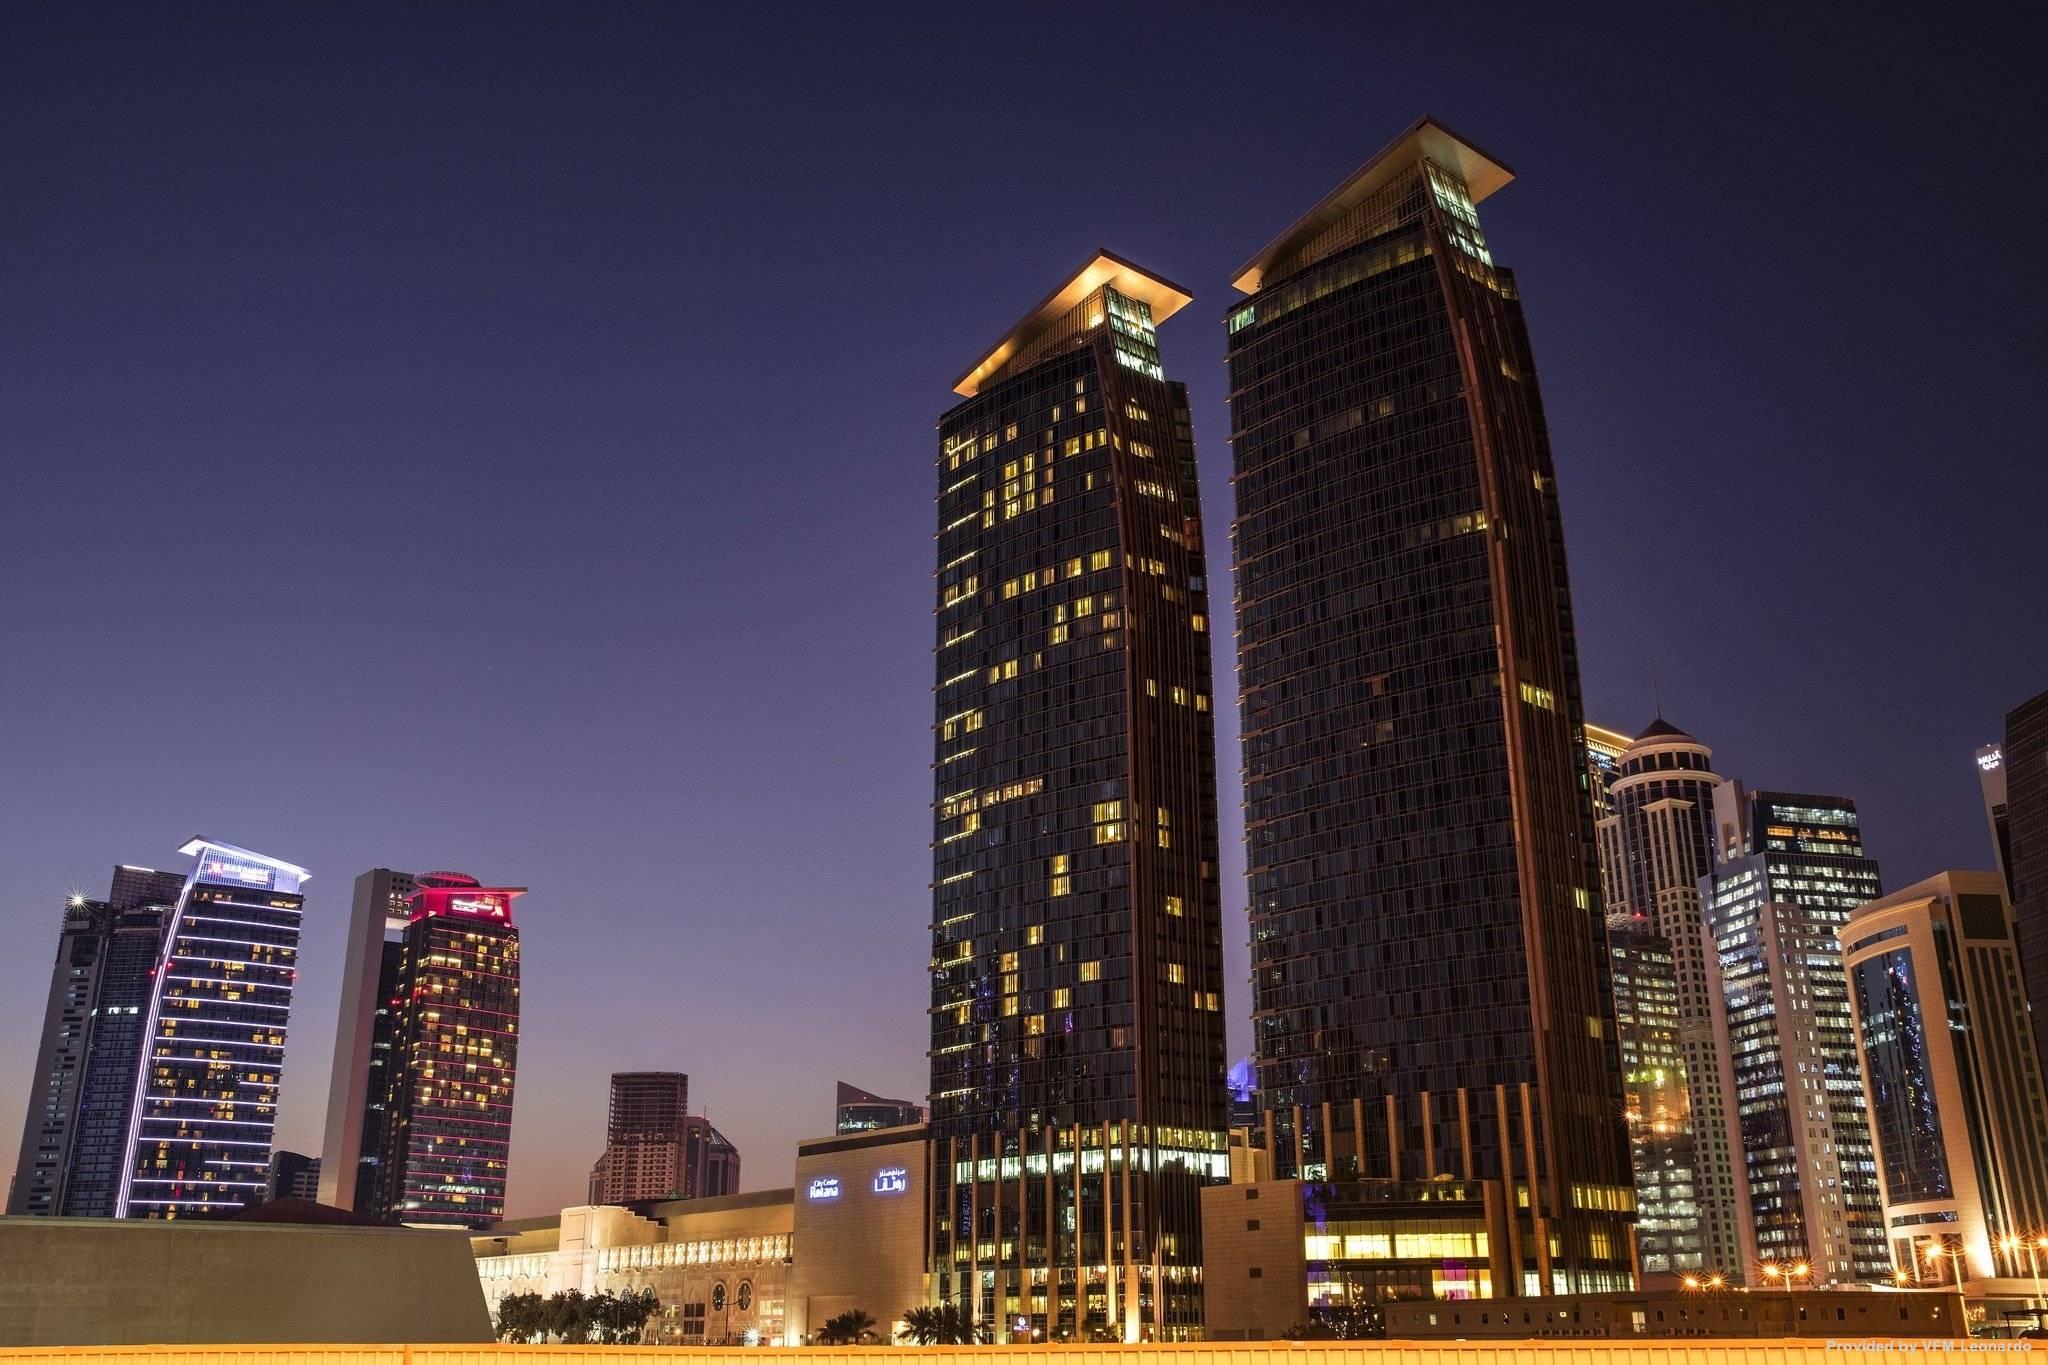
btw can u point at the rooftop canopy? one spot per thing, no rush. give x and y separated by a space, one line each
1164 297
1426 138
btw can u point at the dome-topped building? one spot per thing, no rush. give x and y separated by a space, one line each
1656 843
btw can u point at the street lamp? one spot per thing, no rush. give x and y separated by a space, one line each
1939 1247
1790 1274
2011 1244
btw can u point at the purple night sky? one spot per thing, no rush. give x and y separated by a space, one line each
501 438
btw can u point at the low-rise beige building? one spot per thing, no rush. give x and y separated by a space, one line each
719 1266
862 1221
771 1267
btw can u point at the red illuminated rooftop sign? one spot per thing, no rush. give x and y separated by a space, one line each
465 902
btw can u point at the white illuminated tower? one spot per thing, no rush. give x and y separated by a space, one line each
199 1130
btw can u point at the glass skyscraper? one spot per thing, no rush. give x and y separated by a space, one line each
205 1097
454 1055
77 1122
2023 851
1431 993
1077 964
1789 869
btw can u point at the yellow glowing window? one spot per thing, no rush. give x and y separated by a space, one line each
1009 1006
1057 635
1539 697
1034 1024
1060 886
1176 973
1099 560
1035 934
1109 833
1062 998
1173 906
962 590
1090 971
1006 669
1074 569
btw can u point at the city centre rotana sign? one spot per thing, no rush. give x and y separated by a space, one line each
825 1187
892 1180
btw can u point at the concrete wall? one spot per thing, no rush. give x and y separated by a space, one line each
78 1281
1254 1275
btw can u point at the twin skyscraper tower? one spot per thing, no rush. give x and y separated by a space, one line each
1431 1006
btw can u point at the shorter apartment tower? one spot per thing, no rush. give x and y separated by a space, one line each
1950 1076
643 1138
454 1055
1789 869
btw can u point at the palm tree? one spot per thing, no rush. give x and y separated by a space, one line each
852 1328
945 1324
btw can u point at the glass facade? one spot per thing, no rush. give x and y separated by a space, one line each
1423 885
205 1100
1381 1240
1789 870
1658 1107
2025 760
454 1055
1904 1113
1077 991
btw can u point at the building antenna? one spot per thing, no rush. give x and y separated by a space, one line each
1656 702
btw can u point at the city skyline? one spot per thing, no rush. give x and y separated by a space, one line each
653 720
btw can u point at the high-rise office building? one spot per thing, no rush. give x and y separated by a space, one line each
711 1164
1430 982
1991 777
1950 1075
77 1119
1077 956
2025 758
1656 843
352 1161
643 1138
1669 1243
454 1055
856 1111
1788 870
292 1175
1604 749
204 1104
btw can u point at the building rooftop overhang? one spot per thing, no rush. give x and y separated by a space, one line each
1425 138
1161 295
199 844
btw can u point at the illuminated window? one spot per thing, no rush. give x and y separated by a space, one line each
1538 697
1173 906
1091 971
1099 560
